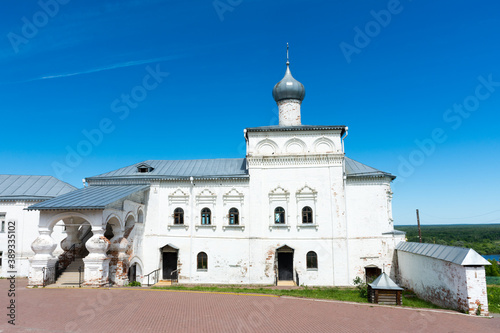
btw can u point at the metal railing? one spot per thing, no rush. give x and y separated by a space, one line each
176 278
297 282
48 275
79 276
155 276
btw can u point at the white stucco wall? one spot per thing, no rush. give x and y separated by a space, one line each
26 233
444 283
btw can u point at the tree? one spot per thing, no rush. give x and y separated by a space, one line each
492 270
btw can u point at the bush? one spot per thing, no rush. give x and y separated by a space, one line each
134 284
361 286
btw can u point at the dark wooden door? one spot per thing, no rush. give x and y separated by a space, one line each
169 265
285 266
132 273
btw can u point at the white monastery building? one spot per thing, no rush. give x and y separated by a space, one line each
294 210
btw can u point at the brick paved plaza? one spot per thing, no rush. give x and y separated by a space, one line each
144 310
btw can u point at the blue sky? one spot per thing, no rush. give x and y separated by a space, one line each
417 82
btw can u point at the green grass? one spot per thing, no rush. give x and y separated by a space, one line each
335 293
494 299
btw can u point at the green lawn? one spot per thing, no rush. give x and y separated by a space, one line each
340 294
494 298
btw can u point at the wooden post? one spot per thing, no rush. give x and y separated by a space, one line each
419 231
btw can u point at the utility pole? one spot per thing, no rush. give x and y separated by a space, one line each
419 231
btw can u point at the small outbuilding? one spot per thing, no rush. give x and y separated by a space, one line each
385 291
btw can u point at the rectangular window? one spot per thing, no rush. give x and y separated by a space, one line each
2 222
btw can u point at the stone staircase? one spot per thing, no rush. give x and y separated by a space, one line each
69 278
286 283
163 283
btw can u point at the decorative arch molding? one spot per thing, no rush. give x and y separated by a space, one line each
267 147
295 146
129 214
324 145
114 215
54 219
140 215
279 193
233 196
306 192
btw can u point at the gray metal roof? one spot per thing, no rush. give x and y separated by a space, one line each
20 187
178 169
296 128
384 282
92 197
457 255
214 168
356 169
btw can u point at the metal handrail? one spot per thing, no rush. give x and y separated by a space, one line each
297 278
176 276
156 275
47 275
79 276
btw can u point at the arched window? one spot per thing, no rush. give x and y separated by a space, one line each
279 215
312 260
179 216
202 260
307 215
234 217
206 216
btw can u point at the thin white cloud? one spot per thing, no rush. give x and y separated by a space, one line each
103 68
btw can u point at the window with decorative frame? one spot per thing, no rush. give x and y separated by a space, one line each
306 207
278 206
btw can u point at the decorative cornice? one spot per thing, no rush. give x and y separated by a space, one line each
294 160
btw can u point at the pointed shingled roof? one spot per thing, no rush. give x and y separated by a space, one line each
384 282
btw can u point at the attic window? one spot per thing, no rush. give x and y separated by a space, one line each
144 168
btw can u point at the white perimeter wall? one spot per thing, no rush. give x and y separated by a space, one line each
444 283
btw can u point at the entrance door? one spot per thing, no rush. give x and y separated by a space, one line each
132 273
285 266
169 265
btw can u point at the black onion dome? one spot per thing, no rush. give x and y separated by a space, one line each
289 88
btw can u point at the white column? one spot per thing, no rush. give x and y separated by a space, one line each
97 262
42 265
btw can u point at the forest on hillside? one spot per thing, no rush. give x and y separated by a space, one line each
484 238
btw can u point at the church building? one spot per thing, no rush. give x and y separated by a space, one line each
294 211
